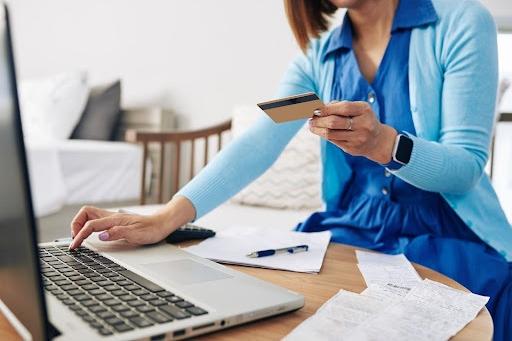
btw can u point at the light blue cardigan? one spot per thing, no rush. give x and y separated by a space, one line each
453 80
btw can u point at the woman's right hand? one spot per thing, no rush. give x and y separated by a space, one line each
134 228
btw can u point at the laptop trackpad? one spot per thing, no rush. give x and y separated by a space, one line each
184 271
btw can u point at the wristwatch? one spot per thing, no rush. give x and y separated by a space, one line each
402 151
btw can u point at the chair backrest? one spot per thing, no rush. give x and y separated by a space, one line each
178 139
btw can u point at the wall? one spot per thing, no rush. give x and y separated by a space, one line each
197 57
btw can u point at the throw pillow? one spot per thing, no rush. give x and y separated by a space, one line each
51 107
294 180
101 115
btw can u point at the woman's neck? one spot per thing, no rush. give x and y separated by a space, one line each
372 19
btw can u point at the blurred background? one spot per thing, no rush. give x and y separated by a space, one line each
167 65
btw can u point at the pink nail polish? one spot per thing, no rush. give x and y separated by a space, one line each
104 236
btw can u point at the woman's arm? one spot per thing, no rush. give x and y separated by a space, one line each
456 163
241 162
237 165
251 154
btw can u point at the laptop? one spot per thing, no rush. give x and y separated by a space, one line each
106 291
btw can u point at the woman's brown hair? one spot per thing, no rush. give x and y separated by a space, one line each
308 18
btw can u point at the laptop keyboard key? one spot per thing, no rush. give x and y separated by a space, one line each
113 321
127 298
158 302
159 317
143 282
104 297
97 309
145 308
89 287
132 287
80 298
196 311
88 318
140 292
119 308
129 313
136 303
66 259
105 315
164 294
123 327
95 324
111 287
148 297
83 282
117 278
75 292
105 332
174 299
174 312
124 282
184 304
112 302
140 322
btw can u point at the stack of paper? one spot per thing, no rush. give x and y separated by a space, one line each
232 246
424 310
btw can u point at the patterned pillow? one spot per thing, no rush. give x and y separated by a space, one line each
294 180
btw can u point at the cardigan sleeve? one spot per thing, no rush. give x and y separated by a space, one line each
456 162
251 154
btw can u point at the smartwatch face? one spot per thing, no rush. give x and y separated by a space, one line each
404 150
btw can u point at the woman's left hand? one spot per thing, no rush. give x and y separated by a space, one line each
354 127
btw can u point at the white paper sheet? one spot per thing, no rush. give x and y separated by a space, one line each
337 317
232 246
383 269
430 311
397 305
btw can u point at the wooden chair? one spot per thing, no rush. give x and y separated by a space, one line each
178 139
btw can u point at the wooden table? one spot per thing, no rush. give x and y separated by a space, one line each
339 271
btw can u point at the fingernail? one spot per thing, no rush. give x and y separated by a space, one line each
104 236
317 112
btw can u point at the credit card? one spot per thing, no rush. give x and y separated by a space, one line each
292 108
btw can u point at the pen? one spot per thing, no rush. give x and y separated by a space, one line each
270 252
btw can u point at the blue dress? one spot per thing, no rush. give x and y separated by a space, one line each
382 212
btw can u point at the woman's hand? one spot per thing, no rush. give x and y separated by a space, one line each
353 127
136 229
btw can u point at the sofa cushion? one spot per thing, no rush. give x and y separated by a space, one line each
293 181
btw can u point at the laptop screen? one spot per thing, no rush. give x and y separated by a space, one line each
20 284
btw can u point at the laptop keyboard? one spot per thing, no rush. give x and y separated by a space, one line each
107 296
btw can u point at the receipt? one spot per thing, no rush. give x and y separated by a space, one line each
430 311
338 316
396 305
383 269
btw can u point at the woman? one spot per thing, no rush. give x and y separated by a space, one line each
411 87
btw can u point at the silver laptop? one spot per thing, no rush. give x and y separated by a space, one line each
115 293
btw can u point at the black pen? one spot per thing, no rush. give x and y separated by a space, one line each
271 252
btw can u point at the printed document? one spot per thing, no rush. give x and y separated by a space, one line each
396 305
378 268
232 245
